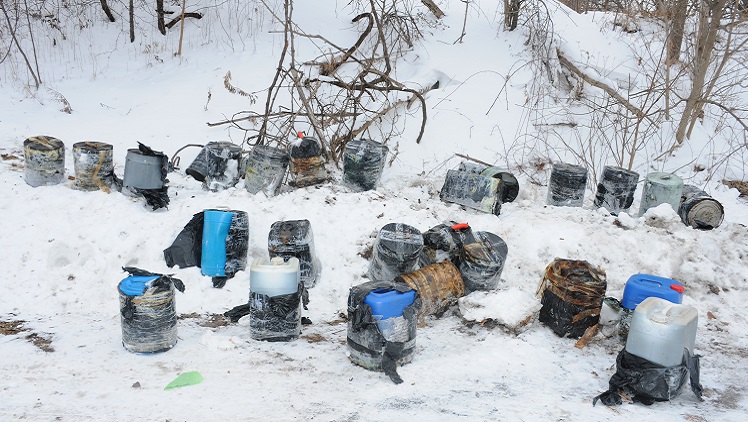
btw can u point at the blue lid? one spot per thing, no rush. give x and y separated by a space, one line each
389 303
641 286
135 285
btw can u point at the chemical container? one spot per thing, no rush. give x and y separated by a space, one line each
615 191
295 238
395 251
148 314
661 188
216 224
363 163
387 310
45 161
566 185
661 330
275 299
94 168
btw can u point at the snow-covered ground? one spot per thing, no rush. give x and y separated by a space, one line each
63 249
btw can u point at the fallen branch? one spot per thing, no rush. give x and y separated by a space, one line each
610 91
186 15
467 157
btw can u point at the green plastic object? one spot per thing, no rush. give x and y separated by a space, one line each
188 378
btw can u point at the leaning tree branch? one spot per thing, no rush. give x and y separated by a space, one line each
610 91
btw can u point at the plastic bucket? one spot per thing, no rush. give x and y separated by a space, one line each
45 161
148 315
93 165
615 192
266 169
142 171
216 226
363 163
661 188
396 251
566 185
661 330
294 238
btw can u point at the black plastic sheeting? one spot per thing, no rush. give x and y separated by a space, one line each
276 318
444 242
366 344
149 321
572 294
648 382
186 250
278 305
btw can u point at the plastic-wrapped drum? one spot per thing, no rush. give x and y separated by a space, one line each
45 161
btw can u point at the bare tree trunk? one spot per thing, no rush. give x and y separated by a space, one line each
107 10
679 12
160 16
706 38
511 13
132 22
37 80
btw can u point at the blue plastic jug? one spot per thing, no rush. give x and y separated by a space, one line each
216 226
389 303
641 286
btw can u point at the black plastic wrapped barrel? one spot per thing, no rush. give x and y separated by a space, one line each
217 165
699 210
566 185
147 311
266 169
307 163
366 344
571 294
94 168
45 161
363 163
481 261
472 190
294 238
396 251
615 191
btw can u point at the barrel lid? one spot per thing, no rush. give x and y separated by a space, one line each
43 143
665 179
136 285
92 146
401 239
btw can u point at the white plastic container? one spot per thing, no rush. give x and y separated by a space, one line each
274 278
660 330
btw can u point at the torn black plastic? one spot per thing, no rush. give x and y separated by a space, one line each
186 250
444 242
648 382
149 321
366 344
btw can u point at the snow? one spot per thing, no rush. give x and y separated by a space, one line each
63 249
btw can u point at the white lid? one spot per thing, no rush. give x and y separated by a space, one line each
274 278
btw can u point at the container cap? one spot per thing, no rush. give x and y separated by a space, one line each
641 286
389 303
135 285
